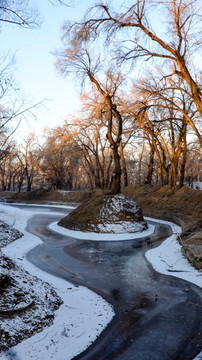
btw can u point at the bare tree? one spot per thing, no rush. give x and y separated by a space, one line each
29 159
23 13
60 160
193 169
79 61
173 95
88 131
183 36
19 12
178 114
163 119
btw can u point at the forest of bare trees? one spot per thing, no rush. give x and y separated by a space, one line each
133 127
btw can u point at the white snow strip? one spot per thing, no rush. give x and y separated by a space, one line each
168 256
77 323
101 236
55 205
199 356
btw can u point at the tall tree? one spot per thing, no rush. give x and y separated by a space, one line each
182 39
178 114
79 60
60 160
172 94
88 132
163 119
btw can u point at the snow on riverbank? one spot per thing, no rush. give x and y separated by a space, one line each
83 314
102 237
168 259
77 322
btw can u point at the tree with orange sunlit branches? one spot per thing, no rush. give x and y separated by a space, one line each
138 37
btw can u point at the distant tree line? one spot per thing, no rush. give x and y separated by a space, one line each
130 129
74 157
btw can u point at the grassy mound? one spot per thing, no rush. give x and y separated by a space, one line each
183 206
107 214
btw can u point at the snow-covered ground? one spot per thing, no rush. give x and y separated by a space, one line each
83 314
169 260
115 236
78 321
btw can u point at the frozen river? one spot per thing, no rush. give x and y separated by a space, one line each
156 316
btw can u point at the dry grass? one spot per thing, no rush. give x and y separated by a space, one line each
42 196
99 210
84 217
181 205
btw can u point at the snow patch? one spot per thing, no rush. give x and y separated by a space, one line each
110 216
83 314
168 258
120 227
77 322
102 236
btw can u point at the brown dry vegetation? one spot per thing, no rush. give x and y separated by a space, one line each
99 210
84 217
42 196
181 205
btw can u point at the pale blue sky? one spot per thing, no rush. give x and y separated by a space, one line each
35 72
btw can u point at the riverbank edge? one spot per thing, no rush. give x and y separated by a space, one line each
183 206
198 357
15 251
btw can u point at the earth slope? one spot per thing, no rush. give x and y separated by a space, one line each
106 214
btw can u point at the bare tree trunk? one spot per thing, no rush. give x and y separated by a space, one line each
107 182
116 175
140 165
184 154
123 163
20 182
29 183
90 179
112 113
166 174
173 180
97 179
102 178
9 182
151 164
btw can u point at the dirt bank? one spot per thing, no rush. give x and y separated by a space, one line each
42 196
182 206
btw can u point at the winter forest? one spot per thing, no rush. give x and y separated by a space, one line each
137 67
